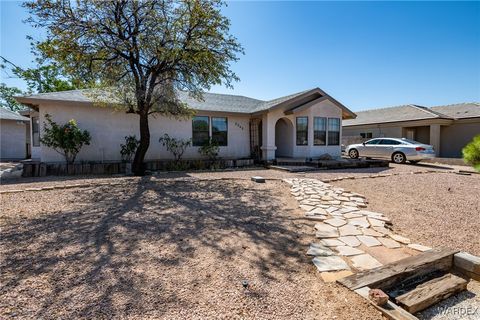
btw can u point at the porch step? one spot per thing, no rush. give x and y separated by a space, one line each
431 292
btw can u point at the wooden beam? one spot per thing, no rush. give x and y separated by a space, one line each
390 309
431 292
467 264
386 276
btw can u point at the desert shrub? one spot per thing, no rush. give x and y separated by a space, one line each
471 153
65 139
176 147
128 149
210 150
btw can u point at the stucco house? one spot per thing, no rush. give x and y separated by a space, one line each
306 124
13 135
448 128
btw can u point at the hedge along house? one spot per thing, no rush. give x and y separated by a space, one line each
302 125
447 128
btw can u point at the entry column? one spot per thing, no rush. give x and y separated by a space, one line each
435 138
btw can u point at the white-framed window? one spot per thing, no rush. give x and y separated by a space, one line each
333 131
35 132
302 131
200 130
319 131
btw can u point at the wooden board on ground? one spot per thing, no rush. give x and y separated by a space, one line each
431 292
390 309
387 275
467 264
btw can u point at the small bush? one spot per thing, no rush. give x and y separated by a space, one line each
471 153
210 150
67 139
176 146
128 149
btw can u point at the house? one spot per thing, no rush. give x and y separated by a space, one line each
447 128
13 135
302 125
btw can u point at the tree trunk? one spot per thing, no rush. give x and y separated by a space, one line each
138 167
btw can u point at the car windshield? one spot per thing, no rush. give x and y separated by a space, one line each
410 141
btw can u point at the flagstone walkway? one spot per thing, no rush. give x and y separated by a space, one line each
349 236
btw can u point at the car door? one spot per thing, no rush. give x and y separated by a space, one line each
385 147
368 149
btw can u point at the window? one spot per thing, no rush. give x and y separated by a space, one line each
220 130
302 131
319 131
35 132
366 135
374 141
333 131
200 134
389 142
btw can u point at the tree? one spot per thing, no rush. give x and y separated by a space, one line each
140 53
6 97
67 139
471 153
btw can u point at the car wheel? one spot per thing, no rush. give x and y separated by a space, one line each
398 157
353 153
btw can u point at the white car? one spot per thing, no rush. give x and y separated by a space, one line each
398 150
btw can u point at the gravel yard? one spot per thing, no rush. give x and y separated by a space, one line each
163 248
437 210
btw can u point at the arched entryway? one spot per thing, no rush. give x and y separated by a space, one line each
284 138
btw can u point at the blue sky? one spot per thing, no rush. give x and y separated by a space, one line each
365 54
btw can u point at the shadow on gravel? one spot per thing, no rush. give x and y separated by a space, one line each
109 257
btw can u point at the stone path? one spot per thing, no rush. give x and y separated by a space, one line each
350 237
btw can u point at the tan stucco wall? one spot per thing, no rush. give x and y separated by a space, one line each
322 109
457 136
12 140
376 130
108 129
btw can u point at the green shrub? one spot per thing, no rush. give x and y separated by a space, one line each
210 150
176 146
67 139
471 153
128 149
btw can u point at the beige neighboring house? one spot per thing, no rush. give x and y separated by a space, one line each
447 128
302 125
13 136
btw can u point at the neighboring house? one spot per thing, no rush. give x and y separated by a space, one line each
302 125
447 128
13 131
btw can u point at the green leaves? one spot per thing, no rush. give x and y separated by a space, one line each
471 153
6 97
66 139
176 146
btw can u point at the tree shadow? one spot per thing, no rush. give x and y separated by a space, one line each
111 254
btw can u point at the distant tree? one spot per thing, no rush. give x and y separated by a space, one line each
65 139
46 76
140 52
471 153
6 97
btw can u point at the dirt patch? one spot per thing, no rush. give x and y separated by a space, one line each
158 248
435 209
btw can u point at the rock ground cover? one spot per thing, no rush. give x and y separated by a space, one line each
163 248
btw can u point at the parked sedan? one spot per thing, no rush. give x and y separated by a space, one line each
398 150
